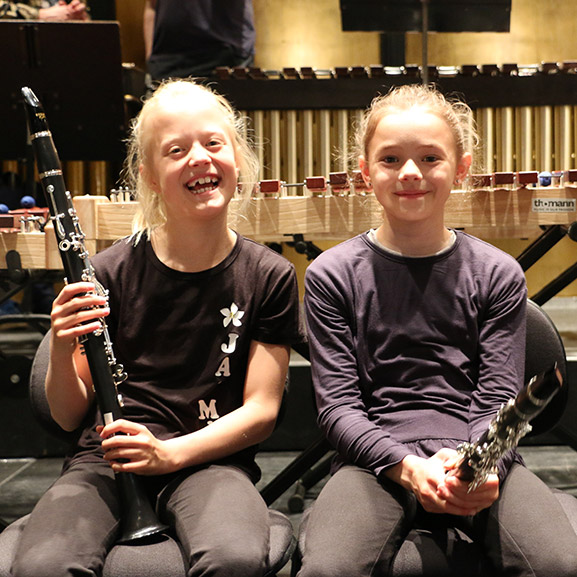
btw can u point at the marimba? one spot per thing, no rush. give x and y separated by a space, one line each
302 120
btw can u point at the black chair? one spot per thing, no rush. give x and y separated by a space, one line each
424 551
162 558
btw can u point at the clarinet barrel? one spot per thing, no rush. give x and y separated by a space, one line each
138 518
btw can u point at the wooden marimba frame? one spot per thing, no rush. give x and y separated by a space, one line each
333 208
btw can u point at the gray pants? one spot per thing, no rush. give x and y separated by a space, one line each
357 525
218 516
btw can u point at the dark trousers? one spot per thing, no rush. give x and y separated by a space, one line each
357 525
218 516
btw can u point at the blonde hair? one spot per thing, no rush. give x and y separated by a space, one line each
455 113
151 211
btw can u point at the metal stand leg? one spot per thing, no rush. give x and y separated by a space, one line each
538 249
555 286
296 502
295 470
541 246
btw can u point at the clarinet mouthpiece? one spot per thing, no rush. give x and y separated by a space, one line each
34 111
30 97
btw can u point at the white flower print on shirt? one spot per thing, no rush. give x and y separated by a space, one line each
232 315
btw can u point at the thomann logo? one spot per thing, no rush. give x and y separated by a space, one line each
554 204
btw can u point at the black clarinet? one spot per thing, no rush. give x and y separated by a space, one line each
507 428
138 518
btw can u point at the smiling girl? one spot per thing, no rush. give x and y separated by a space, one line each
417 337
202 320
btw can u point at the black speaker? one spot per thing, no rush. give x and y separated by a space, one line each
20 434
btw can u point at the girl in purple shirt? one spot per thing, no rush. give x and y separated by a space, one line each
417 337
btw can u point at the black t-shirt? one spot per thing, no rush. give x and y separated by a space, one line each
184 338
189 35
188 25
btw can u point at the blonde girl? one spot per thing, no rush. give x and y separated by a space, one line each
202 320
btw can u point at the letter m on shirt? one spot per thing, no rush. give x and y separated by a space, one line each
207 412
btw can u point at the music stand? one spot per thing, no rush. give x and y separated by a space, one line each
424 16
75 69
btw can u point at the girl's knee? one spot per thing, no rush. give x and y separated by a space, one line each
53 559
33 565
563 564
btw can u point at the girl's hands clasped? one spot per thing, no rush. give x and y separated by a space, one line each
439 490
455 491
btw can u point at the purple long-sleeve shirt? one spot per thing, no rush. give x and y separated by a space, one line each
410 355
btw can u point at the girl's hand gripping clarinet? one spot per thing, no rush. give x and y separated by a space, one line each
511 423
139 519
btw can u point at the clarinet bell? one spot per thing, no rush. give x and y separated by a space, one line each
139 521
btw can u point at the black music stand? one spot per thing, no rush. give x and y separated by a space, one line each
424 16
75 69
443 15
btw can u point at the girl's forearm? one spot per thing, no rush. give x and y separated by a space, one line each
231 433
68 396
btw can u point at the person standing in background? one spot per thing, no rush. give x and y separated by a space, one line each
190 38
44 10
